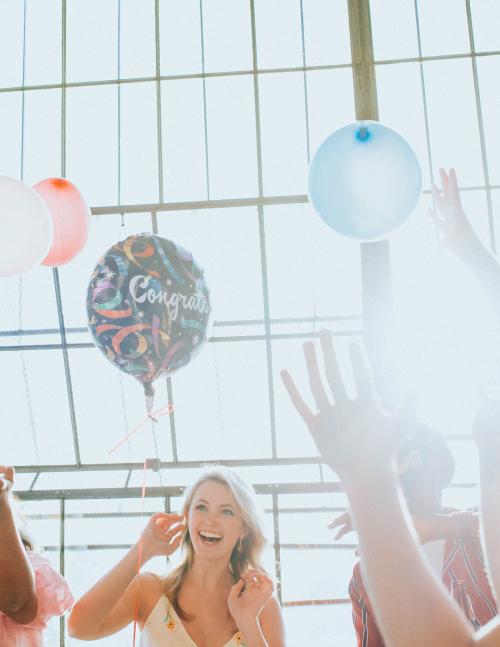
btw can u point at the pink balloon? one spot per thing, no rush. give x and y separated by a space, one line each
70 219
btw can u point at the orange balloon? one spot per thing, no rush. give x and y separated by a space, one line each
70 218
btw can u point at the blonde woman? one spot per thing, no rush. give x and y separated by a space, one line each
218 597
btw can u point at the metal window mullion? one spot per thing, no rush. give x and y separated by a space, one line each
262 238
482 138
424 94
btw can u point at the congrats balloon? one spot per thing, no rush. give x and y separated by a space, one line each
148 307
364 180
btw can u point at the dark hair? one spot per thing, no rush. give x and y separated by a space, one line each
435 457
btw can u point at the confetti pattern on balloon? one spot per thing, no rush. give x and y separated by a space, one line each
148 307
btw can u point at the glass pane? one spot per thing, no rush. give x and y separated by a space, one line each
227 28
100 61
11 43
180 37
319 625
326 32
232 150
284 143
279 40
109 406
183 140
486 24
35 431
394 29
449 83
311 269
234 424
488 70
42 135
137 38
92 142
43 41
10 132
443 27
138 144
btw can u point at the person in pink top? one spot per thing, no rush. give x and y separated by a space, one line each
31 591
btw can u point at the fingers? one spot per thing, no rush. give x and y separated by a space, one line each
6 478
437 199
454 193
332 371
361 375
317 388
340 520
166 519
237 589
257 580
296 398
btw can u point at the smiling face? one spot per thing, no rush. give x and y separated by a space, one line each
214 523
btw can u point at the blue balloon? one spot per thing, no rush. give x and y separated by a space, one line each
364 180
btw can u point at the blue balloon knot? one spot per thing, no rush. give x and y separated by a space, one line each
363 134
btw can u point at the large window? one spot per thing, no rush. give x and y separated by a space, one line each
196 119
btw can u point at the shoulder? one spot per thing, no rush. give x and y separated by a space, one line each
271 611
271 623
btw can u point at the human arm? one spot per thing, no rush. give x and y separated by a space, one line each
457 235
17 581
256 611
111 603
429 527
358 441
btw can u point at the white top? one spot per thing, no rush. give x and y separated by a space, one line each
163 628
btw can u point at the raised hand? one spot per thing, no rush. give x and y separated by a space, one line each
6 481
162 535
451 222
344 522
249 595
353 436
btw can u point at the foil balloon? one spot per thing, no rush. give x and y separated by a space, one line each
148 308
70 219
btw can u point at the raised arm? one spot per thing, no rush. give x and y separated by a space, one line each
111 603
457 235
359 442
17 581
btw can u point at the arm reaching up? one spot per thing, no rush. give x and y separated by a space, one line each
358 441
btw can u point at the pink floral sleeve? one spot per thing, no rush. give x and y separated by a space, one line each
53 598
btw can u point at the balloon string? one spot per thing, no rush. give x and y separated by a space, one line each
163 411
139 554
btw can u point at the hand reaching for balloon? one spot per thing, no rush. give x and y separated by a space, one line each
6 482
162 535
451 222
249 595
353 436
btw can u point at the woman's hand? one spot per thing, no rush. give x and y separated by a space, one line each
451 222
248 596
6 483
162 535
354 437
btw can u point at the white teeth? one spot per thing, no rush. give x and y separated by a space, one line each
209 535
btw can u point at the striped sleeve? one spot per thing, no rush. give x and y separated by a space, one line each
367 633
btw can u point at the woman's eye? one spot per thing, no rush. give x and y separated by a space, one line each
228 512
201 506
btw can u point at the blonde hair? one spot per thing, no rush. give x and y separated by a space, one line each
246 554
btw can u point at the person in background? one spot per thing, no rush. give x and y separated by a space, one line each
359 441
31 590
449 538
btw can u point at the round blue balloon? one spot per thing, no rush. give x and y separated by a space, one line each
364 180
